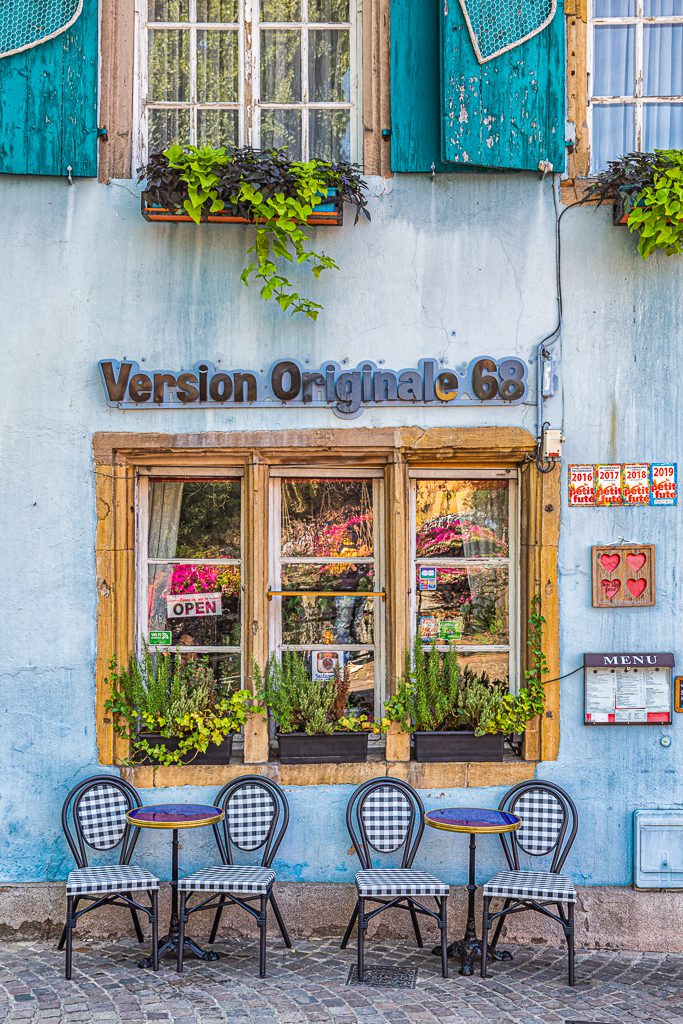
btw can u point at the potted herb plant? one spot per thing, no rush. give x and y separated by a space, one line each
457 715
173 710
246 186
314 722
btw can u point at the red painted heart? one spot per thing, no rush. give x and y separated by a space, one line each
610 562
611 588
636 561
636 587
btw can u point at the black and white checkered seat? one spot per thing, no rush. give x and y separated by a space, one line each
533 885
386 815
399 882
249 815
101 814
542 817
228 878
109 878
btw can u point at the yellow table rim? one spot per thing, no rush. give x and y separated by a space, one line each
174 824
481 830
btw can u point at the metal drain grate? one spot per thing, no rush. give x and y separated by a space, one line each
384 977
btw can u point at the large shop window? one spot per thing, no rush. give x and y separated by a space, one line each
327 551
265 73
636 77
190 569
465 558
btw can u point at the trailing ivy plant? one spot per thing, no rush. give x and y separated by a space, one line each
277 194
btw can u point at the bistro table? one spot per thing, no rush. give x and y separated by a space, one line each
175 817
475 821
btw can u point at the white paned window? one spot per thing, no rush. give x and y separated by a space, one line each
465 557
189 556
326 549
635 77
265 73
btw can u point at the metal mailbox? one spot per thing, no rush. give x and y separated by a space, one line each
658 849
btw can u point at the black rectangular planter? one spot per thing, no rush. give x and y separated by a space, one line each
458 746
213 755
337 748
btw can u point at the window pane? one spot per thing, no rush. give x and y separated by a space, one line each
614 8
280 10
226 11
168 10
227 668
361 665
663 60
461 518
281 129
194 519
328 620
280 66
469 605
662 126
164 127
614 68
495 664
327 518
328 10
200 604
659 8
613 134
218 128
351 577
330 135
168 65
217 67
329 79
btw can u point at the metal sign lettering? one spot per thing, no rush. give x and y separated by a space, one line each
346 391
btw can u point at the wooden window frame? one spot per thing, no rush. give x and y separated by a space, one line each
120 149
120 457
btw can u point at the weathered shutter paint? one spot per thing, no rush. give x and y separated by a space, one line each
415 86
48 103
510 111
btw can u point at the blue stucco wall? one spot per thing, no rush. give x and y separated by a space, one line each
456 267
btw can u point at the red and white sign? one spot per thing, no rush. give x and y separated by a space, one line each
663 483
192 606
581 486
636 483
608 485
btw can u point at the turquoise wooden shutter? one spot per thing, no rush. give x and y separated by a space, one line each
510 111
48 103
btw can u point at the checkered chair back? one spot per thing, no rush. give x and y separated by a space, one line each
256 817
549 822
94 818
385 815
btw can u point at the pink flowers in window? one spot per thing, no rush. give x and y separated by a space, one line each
205 579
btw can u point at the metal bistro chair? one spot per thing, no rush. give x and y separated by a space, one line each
94 816
549 825
385 815
256 817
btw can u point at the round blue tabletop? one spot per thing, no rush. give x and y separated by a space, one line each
472 819
175 816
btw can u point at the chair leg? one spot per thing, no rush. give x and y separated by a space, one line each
499 926
136 924
362 926
263 923
280 923
485 925
349 927
154 895
62 939
570 942
443 924
182 919
217 919
416 925
69 927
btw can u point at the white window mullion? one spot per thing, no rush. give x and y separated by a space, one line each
304 81
193 72
639 77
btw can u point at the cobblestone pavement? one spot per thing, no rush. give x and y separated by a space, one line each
309 985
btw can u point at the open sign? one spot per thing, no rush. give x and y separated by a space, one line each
192 606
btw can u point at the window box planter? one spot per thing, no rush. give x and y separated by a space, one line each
220 754
458 746
336 748
327 214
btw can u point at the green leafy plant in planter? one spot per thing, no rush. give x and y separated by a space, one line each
301 704
176 699
647 189
277 194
